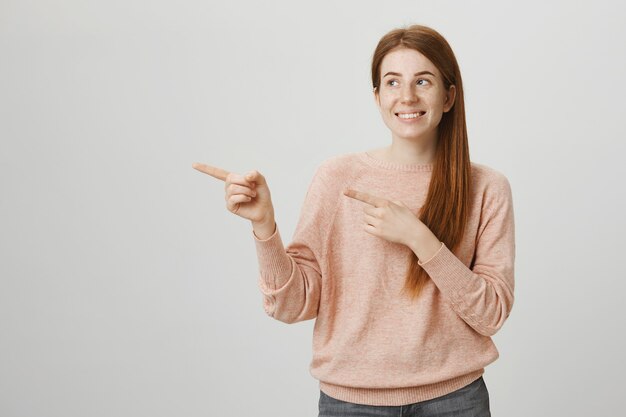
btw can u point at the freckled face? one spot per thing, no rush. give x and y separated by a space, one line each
412 105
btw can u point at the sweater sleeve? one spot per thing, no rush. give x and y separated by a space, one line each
291 277
482 296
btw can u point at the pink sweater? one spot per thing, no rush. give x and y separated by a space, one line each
370 344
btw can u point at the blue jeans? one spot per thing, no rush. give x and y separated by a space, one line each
470 401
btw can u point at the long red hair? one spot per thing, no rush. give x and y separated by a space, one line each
446 208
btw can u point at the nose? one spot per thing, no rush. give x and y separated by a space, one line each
408 94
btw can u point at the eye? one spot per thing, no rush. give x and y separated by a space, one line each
418 81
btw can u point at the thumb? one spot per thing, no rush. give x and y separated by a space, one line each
256 176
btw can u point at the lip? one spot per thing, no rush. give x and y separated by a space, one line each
410 120
410 111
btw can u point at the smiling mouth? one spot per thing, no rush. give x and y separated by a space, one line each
410 116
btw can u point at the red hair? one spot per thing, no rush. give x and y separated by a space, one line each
446 208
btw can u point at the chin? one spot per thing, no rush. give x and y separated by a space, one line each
414 136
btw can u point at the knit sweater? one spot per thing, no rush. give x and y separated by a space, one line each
372 345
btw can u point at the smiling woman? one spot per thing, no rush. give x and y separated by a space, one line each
409 119
404 255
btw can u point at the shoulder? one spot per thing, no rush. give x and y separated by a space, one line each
490 182
337 167
338 163
333 174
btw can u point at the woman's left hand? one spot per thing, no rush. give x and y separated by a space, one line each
390 220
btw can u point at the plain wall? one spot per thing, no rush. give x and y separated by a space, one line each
128 289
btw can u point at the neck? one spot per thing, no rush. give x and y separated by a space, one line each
407 151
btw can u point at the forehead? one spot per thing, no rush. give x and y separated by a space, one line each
407 62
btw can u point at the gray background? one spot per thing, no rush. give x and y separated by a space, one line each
128 289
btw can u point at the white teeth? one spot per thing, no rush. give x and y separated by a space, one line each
407 116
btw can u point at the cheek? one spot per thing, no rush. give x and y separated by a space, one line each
383 106
388 104
386 98
432 98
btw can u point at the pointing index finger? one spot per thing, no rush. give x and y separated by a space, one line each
215 172
364 197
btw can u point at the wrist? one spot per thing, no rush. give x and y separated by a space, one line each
264 229
416 237
266 222
424 243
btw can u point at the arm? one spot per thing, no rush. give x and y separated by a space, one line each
290 277
481 296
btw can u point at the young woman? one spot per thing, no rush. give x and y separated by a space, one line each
404 254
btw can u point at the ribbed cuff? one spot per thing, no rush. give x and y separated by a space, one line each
275 266
447 271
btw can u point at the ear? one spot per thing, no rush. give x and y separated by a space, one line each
450 97
376 96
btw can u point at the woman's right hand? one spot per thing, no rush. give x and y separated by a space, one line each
247 196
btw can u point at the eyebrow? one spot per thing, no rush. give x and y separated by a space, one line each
417 73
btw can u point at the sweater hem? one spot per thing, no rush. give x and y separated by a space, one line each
398 396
